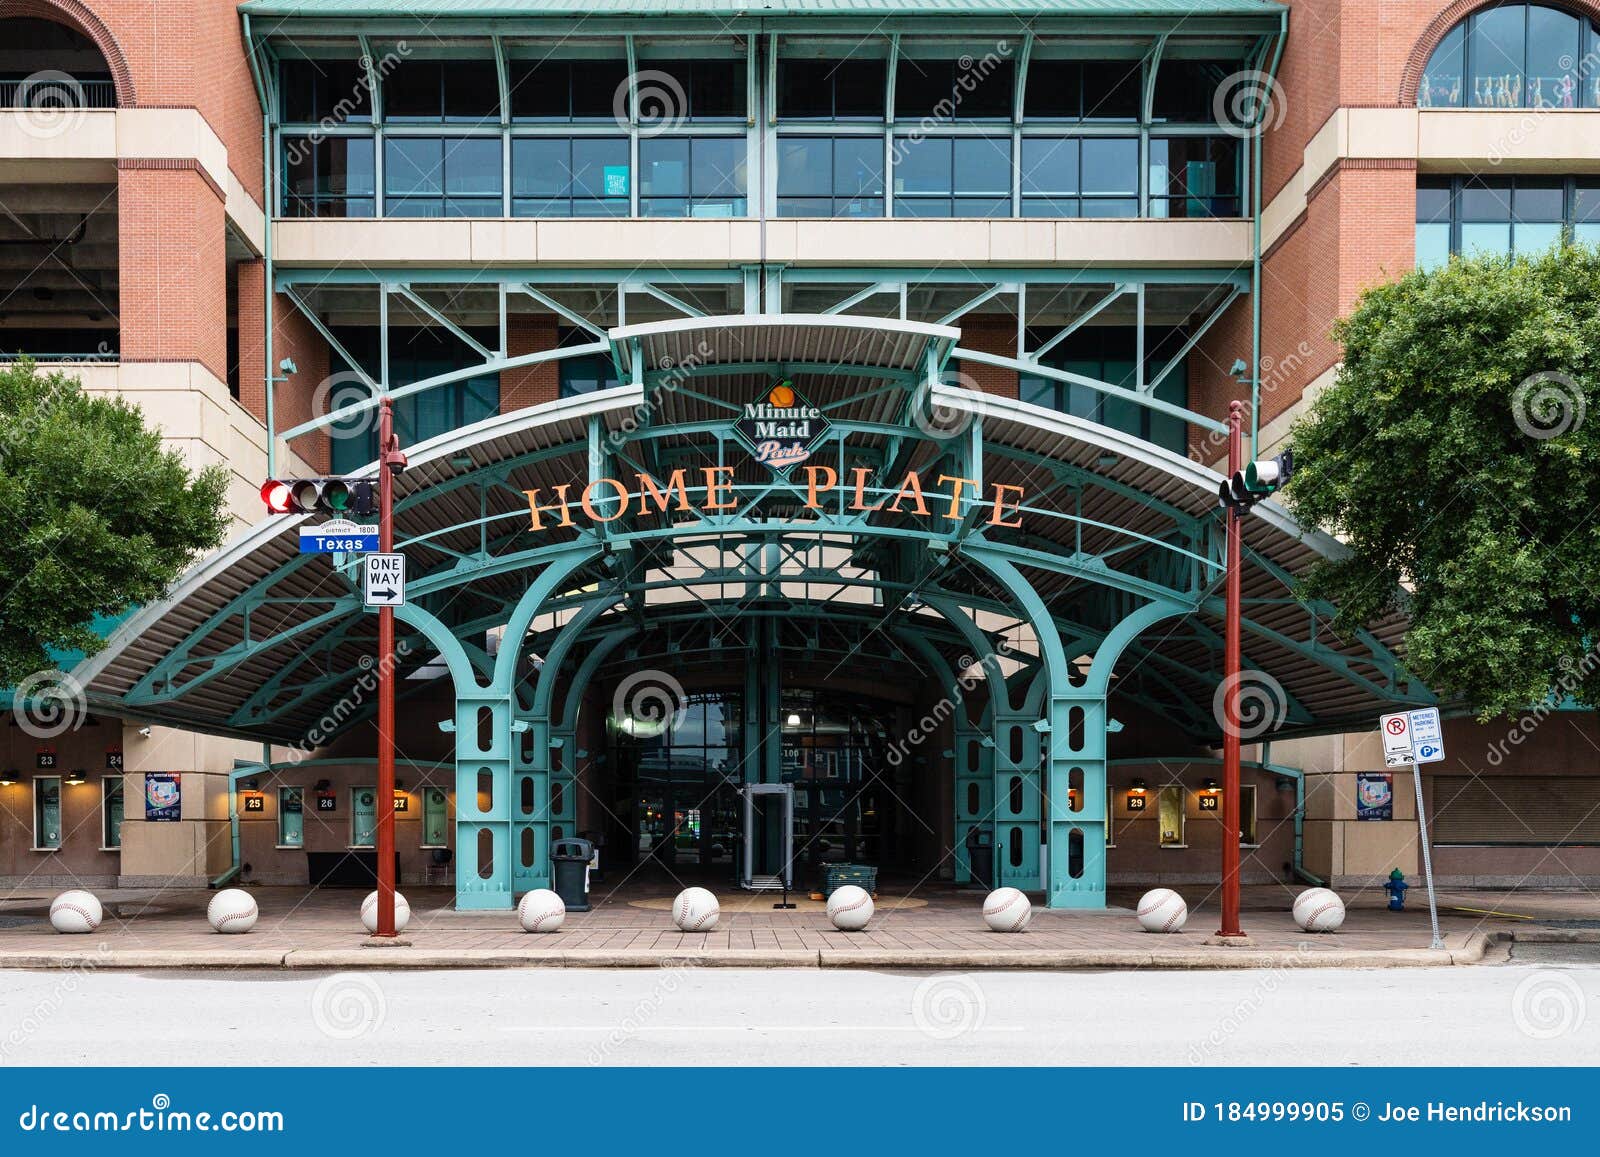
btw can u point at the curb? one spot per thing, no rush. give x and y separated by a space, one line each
365 959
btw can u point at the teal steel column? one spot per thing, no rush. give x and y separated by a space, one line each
1076 783
484 756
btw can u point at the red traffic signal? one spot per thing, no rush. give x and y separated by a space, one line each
335 496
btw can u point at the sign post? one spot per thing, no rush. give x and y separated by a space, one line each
390 462
1416 737
1230 705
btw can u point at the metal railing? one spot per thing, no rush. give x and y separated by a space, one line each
52 90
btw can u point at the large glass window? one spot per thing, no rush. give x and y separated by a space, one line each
952 177
1513 215
696 90
832 90
1513 56
323 92
584 375
441 91
1186 90
1194 177
692 176
328 177
570 177
565 90
441 176
1080 176
962 89
1074 90
830 176
1107 354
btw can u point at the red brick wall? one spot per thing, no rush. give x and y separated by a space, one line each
293 337
174 54
990 334
173 290
531 385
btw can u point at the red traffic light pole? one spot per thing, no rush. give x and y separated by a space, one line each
390 462
1230 700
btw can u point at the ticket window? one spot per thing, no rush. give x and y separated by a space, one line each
1247 816
111 812
1169 816
435 818
47 813
363 817
291 817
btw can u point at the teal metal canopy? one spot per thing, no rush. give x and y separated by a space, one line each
728 8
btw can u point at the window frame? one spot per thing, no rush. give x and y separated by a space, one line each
106 782
282 844
38 812
1454 185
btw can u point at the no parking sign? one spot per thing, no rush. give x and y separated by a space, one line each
1412 737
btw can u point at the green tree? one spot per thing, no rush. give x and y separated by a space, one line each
1458 456
95 515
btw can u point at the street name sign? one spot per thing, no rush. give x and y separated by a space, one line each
338 536
385 576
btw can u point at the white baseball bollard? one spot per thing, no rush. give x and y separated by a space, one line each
75 911
1007 910
369 912
1162 910
696 910
850 907
541 910
232 910
1318 910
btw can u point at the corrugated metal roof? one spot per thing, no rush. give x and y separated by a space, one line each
754 8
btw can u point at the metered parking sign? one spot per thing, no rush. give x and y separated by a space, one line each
1412 737
385 576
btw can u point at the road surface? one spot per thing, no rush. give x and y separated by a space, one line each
1541 1011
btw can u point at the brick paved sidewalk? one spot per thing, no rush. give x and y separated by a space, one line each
321 928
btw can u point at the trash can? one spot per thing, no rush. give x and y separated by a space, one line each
569 861
980 859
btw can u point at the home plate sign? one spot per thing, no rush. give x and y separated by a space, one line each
1412 737
385 580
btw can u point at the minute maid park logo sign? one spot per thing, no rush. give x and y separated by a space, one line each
782 429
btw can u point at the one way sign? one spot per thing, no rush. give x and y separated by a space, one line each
385 576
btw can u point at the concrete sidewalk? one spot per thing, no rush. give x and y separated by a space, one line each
937 929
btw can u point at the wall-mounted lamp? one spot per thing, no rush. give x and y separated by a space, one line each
323 784
1210 785
1138 786
252 785
75 777
9 777
144 733
793 720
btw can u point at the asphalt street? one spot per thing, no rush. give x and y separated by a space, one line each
1543 1011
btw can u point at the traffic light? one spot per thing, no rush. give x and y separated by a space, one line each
335 496
1262 478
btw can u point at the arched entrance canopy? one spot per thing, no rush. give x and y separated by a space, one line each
259 640
765 495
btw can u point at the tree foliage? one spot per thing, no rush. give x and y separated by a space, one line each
94 515
1458 456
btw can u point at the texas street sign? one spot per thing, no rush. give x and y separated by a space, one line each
336 536
1412 737
384 582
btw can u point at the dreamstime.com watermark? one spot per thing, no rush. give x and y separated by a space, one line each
1549 404
299 149
352 700
23 1028
1258 701
651 697
949 1005
1206 1049
644 1010
158 1117
1567 684
973 672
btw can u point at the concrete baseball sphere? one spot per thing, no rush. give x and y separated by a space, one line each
1007 910
1318 910
541 910
850 908
232 910
696 910
1162 910
75 911
369 912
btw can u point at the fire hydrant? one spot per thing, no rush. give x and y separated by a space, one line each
1396 887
